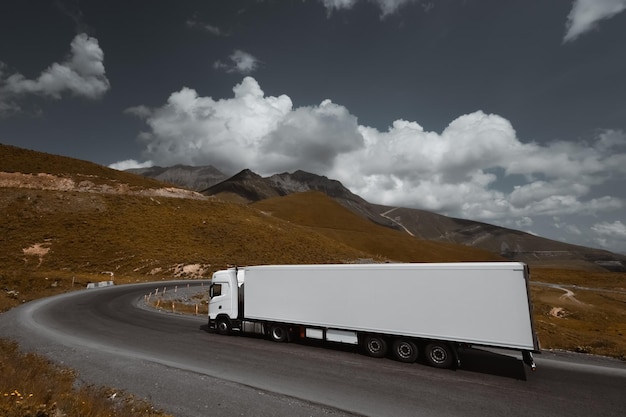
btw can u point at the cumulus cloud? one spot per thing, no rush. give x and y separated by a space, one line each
82 74
586 15
130 164
250 130
616 229
524 222
476 168
387 7
240 62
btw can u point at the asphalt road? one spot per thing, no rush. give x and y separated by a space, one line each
111 339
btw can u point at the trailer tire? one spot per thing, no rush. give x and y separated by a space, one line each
223 326
405 350
278 333
375 346
439 355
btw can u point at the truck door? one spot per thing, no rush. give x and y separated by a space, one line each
223 299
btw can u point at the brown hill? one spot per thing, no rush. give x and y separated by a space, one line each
18 160
248 187
60 227
509 243
323 214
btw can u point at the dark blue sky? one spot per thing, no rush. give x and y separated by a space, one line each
510 112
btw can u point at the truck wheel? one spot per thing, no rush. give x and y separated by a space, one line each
375 346
278 333
439 355
223 326
405 350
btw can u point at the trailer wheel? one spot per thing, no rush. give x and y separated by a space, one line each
405 350
375 346
223 326
278 333
439 355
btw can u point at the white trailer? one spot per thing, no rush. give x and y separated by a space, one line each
414 310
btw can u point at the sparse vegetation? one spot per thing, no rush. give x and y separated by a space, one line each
587 314
33 386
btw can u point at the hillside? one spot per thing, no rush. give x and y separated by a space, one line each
18 160
509 243
319 212
248 187
67 233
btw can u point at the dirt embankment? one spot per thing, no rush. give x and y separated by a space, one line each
51 182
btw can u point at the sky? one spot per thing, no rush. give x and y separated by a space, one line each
507 112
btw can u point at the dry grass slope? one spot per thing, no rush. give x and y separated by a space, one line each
81 235
322 214
14 159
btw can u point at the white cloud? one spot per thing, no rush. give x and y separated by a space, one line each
82 74
387 7
586 15
249 130
524 222
617 229
464 171
573 229
140 111
212 29
311 137
240 62
338 4
130 164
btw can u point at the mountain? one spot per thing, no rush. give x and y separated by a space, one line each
248 187
509 243
194 178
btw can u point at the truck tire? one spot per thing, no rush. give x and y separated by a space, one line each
375 346
223 326
278 333
439 355
405 350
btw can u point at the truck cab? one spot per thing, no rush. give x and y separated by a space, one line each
224 303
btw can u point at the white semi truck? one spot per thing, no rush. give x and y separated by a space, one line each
410 310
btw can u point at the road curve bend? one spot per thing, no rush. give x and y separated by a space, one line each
111 339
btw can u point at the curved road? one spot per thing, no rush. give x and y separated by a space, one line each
110 339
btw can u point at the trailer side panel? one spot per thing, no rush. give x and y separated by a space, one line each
476 303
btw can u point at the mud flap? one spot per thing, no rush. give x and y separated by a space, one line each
528 359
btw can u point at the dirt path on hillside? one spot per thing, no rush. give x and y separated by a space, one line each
568 295
385 215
